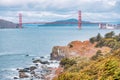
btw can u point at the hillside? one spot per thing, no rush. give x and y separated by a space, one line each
99 67
68 22
76 49
104 68
7 24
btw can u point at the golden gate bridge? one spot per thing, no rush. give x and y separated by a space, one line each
101 24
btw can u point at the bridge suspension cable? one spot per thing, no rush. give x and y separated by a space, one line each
79 21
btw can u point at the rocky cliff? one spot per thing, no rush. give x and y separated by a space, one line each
7 24
75 49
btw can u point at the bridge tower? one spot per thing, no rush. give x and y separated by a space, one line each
79 19
20 20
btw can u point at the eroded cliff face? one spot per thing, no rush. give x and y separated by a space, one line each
59 52
75 49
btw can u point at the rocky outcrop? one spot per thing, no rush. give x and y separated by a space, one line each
7 24
40 61
75 49
23 75
59 52
39 70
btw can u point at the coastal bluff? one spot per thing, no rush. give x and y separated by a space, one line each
7 24
76 49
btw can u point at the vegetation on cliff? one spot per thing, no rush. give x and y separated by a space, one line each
98 67
66 62
109 40
103 68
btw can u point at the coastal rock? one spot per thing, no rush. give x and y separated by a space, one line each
45 62
72 49
59 52
75 49
37 61
16 78
32 68
24 70
27 55
23 75
40 61
42 57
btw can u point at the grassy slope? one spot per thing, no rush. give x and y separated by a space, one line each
103 67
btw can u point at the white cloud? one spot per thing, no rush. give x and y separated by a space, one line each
35 16
101 17
85 5
43 10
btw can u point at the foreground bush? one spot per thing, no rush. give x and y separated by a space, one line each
109 40
107 68
67 62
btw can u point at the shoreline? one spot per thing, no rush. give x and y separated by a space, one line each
46 68
42 69
30 61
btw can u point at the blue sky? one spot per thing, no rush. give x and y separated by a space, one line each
50 10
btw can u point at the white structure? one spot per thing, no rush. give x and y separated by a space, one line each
107 26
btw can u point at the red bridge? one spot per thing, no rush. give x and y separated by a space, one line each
101 25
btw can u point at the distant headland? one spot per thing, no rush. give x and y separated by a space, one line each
7 24
67 22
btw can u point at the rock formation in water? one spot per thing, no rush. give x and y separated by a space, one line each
7 24
75 49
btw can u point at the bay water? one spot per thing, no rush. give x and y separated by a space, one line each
36 41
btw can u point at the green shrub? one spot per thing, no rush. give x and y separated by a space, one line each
98 54
110 34
104 69
66 62
96 39
92 40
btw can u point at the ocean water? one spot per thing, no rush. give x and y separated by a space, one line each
36 41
